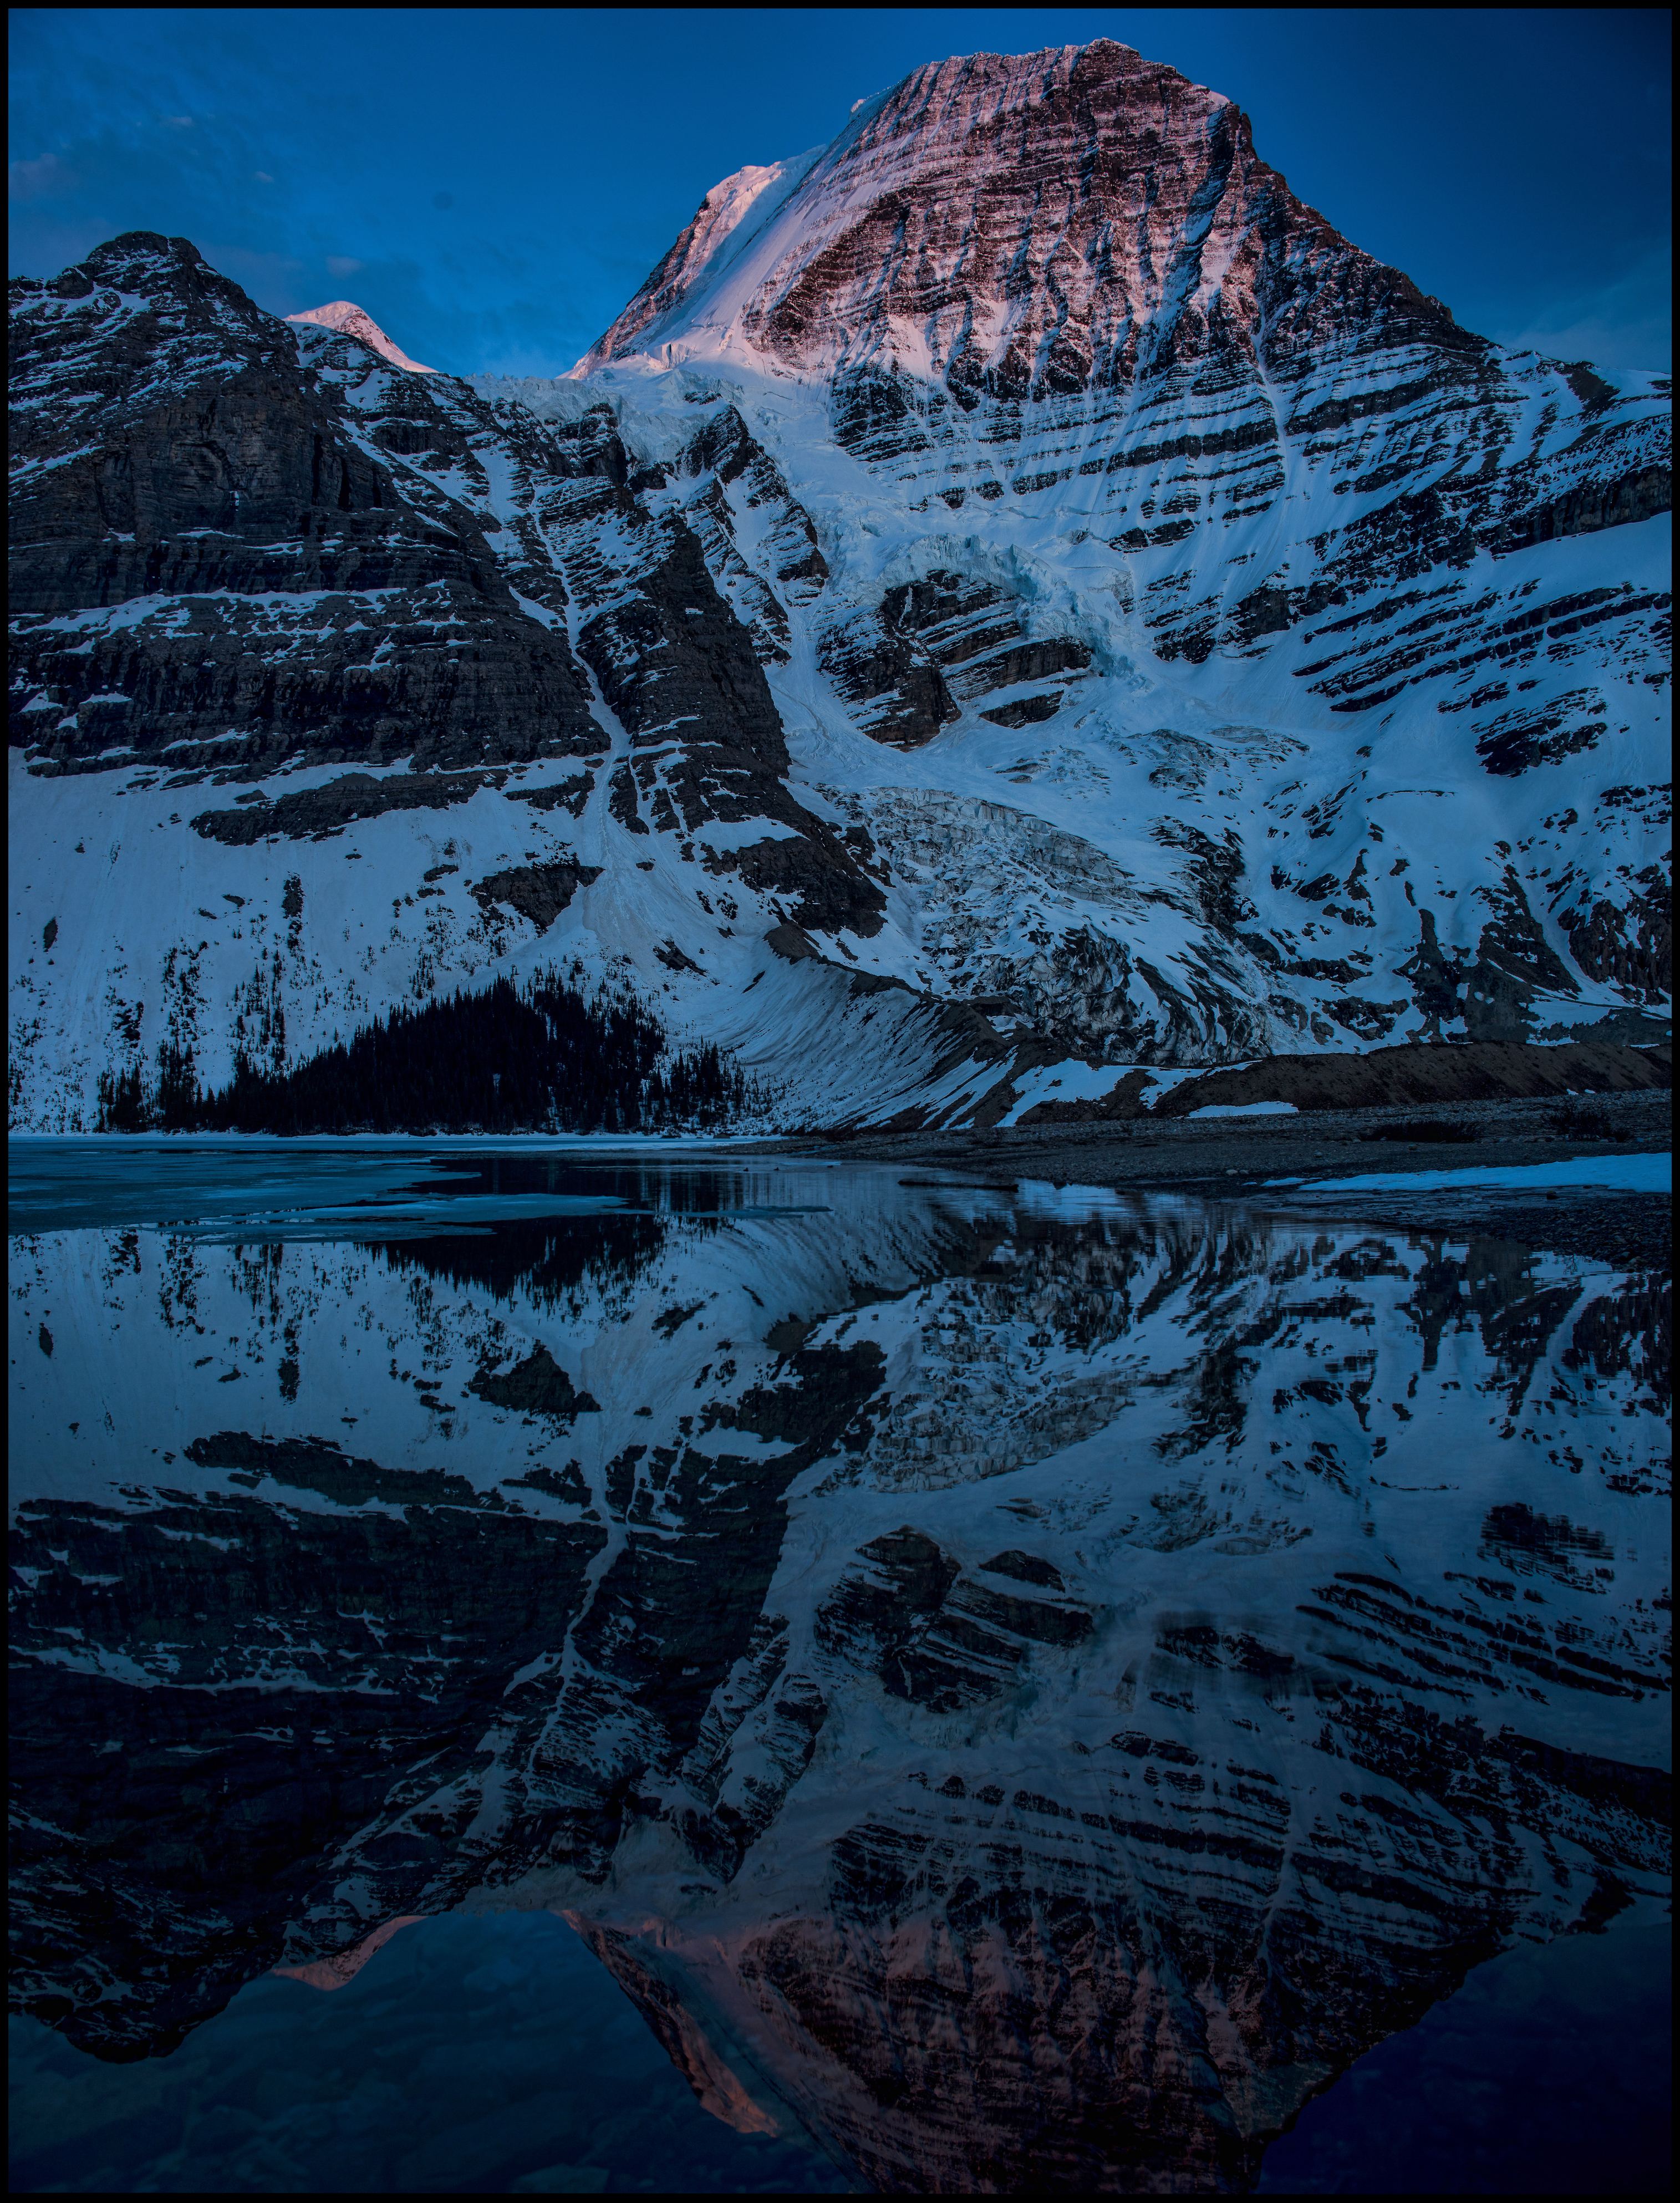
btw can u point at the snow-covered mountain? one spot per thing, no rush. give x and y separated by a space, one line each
1029 1685
1014 588
350 320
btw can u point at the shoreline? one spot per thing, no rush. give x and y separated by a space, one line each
1283 1165
1239 1160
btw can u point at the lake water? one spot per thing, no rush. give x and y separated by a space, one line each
544 1670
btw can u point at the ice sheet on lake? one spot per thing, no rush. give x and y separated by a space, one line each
1623 1173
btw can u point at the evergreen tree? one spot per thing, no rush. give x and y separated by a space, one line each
541 1058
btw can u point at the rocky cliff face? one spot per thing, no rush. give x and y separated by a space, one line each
1028 1689
211 568
1015 584
1031 225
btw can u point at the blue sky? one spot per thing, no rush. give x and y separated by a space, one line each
492 185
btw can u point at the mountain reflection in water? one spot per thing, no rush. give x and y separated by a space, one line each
1023 1686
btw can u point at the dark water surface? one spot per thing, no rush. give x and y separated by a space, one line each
1548 2074
540 1670
477 2055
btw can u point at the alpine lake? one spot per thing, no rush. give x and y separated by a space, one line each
548 1667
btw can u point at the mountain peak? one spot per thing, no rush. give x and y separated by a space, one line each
1017 223
351 321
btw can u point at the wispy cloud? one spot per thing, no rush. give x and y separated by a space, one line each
1625 322
38 179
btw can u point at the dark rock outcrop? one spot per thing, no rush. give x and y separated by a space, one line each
317 812
538 892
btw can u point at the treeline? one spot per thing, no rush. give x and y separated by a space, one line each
539 1058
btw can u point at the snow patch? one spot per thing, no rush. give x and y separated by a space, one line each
1071 1081
1247 1109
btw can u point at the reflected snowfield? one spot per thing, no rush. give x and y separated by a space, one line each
1022 1686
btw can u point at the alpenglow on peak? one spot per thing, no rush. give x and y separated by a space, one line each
350 320
1021 224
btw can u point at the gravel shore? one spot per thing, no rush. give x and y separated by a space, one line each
1234 1159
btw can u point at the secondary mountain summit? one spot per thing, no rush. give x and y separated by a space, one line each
351 321
1015 611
